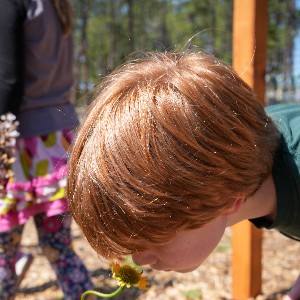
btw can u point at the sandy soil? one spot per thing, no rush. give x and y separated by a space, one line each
281 264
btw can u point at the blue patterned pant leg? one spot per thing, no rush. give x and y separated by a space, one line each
55 240
9 245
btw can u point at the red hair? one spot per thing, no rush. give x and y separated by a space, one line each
166 144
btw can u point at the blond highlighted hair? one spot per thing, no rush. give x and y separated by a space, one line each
166 144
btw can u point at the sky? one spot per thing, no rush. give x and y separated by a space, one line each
297 49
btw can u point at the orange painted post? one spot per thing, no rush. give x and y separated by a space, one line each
249 56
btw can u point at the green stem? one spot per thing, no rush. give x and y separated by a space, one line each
115 293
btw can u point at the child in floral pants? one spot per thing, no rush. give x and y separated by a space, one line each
36 85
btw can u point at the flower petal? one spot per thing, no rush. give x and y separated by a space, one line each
115 267
143 284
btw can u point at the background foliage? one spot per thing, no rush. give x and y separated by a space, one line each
108 31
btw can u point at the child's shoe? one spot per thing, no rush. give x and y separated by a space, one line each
22 265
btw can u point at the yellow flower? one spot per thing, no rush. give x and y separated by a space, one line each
128 276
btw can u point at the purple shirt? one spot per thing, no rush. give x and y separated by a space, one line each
45 80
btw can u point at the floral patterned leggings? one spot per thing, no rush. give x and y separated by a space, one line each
55 240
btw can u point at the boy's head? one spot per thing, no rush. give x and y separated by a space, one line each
167 144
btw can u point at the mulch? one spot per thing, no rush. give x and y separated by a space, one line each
281 266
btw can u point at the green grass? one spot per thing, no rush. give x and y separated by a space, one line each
193 294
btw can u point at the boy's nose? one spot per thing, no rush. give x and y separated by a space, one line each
142 258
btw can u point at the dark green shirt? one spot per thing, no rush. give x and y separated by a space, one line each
286 171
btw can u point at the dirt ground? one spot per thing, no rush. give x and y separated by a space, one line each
281 266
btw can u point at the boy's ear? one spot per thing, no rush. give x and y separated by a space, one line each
237 203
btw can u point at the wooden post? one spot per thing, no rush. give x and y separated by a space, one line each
249 57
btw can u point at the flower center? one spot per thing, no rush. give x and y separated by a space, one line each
129 275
